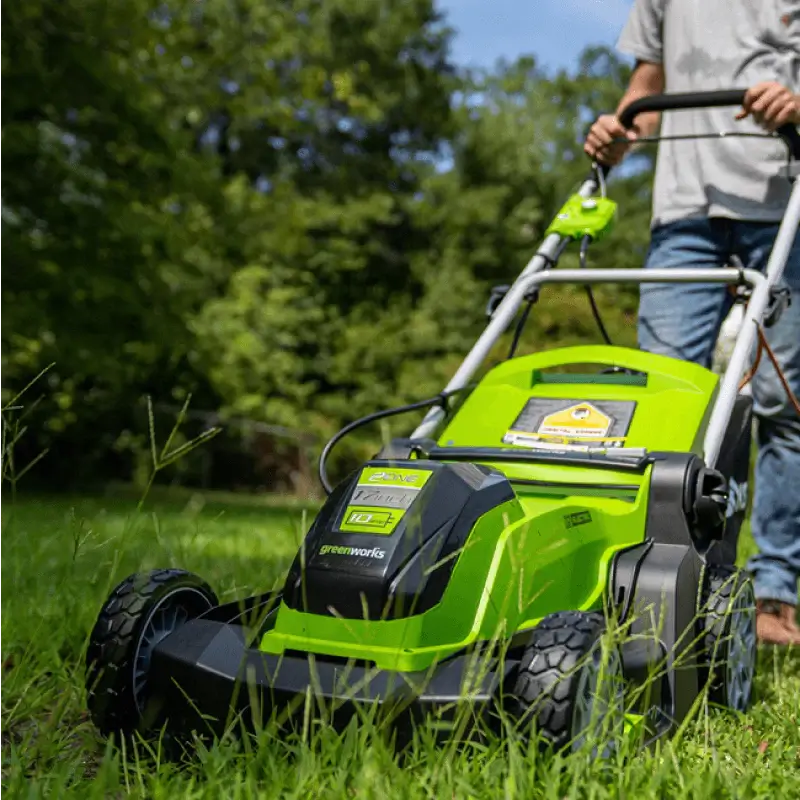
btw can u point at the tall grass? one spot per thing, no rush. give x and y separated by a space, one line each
60 559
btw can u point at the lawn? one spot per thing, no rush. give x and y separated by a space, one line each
60 558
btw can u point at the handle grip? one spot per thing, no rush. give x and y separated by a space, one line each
679 101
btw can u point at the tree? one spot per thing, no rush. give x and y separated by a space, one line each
397 333
214 147
106 216
253 202
328 263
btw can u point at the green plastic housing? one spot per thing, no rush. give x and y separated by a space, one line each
550 548
581 217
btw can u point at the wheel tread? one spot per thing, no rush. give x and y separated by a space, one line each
112 644
720 586
557 645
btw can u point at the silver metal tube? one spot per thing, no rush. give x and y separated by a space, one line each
727 275
754 313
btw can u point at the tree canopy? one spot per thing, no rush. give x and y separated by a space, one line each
294 211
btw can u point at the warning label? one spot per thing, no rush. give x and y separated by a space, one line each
578 421
571 422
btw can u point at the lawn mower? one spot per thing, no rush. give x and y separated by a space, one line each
486 561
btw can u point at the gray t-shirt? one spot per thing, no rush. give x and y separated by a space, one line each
709 45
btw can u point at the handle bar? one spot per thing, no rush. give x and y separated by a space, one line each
678 101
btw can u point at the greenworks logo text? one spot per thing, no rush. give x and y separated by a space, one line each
356 552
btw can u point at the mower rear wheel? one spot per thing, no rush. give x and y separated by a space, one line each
728 660
138 614
564 688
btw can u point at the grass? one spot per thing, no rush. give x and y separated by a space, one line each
61 557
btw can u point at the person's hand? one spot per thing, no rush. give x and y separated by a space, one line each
605 130
771 105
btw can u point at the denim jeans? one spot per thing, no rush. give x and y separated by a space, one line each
683 321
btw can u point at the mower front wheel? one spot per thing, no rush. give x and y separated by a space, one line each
564 688
138 614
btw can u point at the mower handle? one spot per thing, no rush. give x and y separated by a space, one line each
678 101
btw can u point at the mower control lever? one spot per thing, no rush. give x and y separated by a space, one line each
780 298
499 293
496 297
679 101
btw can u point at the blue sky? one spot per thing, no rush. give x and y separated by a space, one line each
555 31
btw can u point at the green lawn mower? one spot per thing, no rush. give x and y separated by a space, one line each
561 530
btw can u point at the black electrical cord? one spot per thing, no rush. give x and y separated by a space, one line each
585 242
439 400
626 609
532 298
520 325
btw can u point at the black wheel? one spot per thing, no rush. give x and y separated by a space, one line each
138 614
728 643
562 685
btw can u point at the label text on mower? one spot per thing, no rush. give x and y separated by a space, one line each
388 498
355 552
393 477
400 477
578 518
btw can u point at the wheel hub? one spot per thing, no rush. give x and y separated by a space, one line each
172 611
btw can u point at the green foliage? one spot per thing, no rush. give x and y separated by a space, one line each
105 218
294 211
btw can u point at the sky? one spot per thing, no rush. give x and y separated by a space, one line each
555 31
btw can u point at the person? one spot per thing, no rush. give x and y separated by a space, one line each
714 199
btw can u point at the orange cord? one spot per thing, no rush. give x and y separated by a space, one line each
763 344
752 371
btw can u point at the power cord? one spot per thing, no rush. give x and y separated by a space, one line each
585 242
532 297
440 400
763 345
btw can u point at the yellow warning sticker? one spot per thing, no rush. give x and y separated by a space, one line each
571 423
581 421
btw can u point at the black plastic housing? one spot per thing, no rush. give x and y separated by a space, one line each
408 570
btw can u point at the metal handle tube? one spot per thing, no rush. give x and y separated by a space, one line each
754 313
727 275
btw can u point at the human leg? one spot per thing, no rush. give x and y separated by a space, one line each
775 519
682 320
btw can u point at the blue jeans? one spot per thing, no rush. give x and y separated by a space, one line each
683 321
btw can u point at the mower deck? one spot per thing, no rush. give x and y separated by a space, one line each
205 672
206 675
